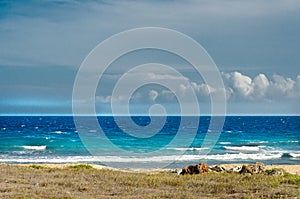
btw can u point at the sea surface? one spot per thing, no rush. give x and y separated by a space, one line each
244 139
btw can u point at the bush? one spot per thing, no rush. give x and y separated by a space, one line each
80 166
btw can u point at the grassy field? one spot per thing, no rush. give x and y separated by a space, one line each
84 181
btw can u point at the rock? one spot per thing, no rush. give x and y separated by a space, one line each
194 169
180 172
191 169
235 169
174 171
256 168
218 168
203 168
275 172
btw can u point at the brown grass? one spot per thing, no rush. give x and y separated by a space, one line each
83 181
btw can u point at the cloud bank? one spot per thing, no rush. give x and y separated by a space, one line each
238 87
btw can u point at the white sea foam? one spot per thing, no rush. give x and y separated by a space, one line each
259 142
189 149
295 155
117 159
289 141
58 132
243 148
35 147
224 143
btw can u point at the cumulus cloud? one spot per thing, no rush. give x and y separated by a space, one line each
243 87
260 85
282 86
240 84
238 87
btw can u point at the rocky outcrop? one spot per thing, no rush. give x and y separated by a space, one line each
235 169
203 168
195 169
275 172
251 169
218 168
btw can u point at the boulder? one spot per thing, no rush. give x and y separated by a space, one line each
251 169
194 169
191 169
218 168
203 168
275 172
235 169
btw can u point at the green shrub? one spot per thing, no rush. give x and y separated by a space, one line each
34 166
80 166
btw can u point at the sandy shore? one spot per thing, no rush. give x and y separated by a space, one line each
293 169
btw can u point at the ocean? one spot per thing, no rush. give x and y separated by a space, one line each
244 139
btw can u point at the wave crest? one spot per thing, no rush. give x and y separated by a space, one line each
34 147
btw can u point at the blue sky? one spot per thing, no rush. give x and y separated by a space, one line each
255 44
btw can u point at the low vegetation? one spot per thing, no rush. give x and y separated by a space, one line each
80 166
81 181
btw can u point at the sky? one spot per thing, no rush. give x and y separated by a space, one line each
255 45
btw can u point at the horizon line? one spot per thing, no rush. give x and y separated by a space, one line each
125 115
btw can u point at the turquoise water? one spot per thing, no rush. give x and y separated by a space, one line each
34 139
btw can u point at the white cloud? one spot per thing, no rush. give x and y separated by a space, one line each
241 84
156 76
242 87
260 85
153 94
238 88
102 99
282 86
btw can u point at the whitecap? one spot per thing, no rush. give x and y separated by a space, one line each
243 148
140 159
58 132
244 156
35 147
189 149
224 142
295 155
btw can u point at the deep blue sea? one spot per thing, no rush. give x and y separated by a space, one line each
244 139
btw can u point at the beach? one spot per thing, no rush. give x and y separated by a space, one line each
95 181
293 169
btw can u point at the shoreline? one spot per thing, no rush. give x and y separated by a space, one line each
293 169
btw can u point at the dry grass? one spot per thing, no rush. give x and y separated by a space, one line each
84 181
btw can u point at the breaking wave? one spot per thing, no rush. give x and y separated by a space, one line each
118 159
34 147
243 148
